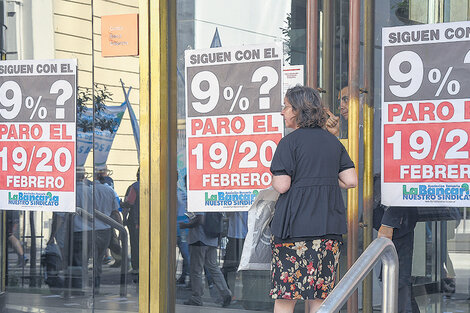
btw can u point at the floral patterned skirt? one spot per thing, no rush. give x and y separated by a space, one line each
303 270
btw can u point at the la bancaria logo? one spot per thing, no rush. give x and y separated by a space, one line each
33 198
437 192
230 198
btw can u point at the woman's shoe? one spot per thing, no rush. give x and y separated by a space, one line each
22 260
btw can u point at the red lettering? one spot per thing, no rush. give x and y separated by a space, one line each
263 123
54 132
209 128
241 125
426 108
394 109
20 132
12 134
466 110
36 131
409 113
24 131
440 112
271 128
223 123
3 129
64 133
196 124
258 124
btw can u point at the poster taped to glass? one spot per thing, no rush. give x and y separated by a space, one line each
426 115
37 135
233 124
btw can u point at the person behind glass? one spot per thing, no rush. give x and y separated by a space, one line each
82 228
182 234
12 222
237 230
107 203
338 125
309 167
102 175
398 224
203 254
131 213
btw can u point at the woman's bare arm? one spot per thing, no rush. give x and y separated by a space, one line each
281 183
348 178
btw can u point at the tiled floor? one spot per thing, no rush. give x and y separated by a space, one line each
41 301
434 303
37 303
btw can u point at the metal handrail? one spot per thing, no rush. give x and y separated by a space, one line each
123 234
380 249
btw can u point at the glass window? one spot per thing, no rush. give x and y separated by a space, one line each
208 24
437 235
87 259
201 25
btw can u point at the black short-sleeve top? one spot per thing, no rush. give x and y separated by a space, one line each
313 206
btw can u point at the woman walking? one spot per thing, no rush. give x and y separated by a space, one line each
309 167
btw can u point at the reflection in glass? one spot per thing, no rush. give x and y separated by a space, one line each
54 259
200 23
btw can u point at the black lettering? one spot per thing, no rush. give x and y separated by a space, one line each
405 37
425 35
449 33
459 33
415 36
434 34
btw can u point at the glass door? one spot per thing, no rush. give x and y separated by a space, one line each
84 257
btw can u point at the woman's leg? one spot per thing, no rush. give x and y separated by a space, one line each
311 306
16 244
284 306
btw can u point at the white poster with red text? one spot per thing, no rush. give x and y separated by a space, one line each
233 124
293 75
426 115
37 135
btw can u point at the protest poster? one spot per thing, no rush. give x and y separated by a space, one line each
426 115
37 135
233 124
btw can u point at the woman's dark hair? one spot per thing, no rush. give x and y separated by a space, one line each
307 106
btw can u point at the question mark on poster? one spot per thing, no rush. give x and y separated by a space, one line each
272 79
63 97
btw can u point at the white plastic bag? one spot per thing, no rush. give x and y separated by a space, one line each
256 254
